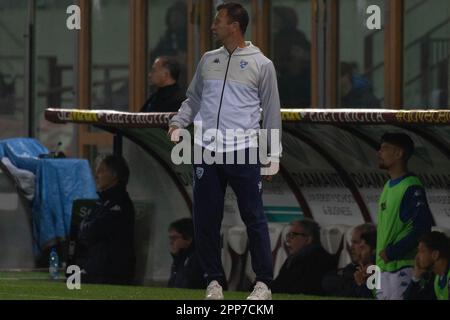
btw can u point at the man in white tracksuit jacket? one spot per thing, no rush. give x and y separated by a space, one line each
233 88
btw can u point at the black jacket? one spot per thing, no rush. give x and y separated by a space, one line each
107 234
186 271
421 290
303 272
342 284
165 99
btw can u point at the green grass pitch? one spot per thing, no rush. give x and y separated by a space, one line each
37 286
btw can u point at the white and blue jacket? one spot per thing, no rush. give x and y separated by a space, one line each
232 91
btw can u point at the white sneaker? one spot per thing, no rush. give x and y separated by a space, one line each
260 292
214 291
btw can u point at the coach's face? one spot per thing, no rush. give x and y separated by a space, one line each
425 257
105 177
388 155
158 74
297 239
177 242
365 253
222 28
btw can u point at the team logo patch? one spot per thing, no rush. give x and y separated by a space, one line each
260 186
216 60
243 64
383 206
199 172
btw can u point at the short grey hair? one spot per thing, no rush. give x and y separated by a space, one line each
311 228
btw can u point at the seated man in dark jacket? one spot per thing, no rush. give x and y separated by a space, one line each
307 262
185 271
431 277
168 96
366 257
107 233
342 282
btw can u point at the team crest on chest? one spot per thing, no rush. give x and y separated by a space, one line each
243 64
199 172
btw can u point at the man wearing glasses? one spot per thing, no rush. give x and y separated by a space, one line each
307 262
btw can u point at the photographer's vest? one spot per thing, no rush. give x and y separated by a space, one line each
391 229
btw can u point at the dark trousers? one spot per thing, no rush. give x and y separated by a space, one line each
210 182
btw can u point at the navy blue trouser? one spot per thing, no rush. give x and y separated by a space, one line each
210 182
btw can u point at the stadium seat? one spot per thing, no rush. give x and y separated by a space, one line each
277 245
344 257
237 246
442 229
226 255
249 274
237 239
331 237
279 254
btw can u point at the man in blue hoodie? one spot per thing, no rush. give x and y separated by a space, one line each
234 88
356 90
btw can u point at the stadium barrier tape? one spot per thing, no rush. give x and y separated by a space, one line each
328 116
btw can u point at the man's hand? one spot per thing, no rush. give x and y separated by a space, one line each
270 170
174 134
360 275
267 178
384 256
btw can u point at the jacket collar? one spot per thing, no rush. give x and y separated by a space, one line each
249 49
184 253
112 192
393 183
167 90
305 251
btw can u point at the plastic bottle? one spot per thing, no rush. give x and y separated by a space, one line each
53 265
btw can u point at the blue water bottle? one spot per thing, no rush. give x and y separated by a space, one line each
53 264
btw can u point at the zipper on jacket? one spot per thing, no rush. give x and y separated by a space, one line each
221 97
